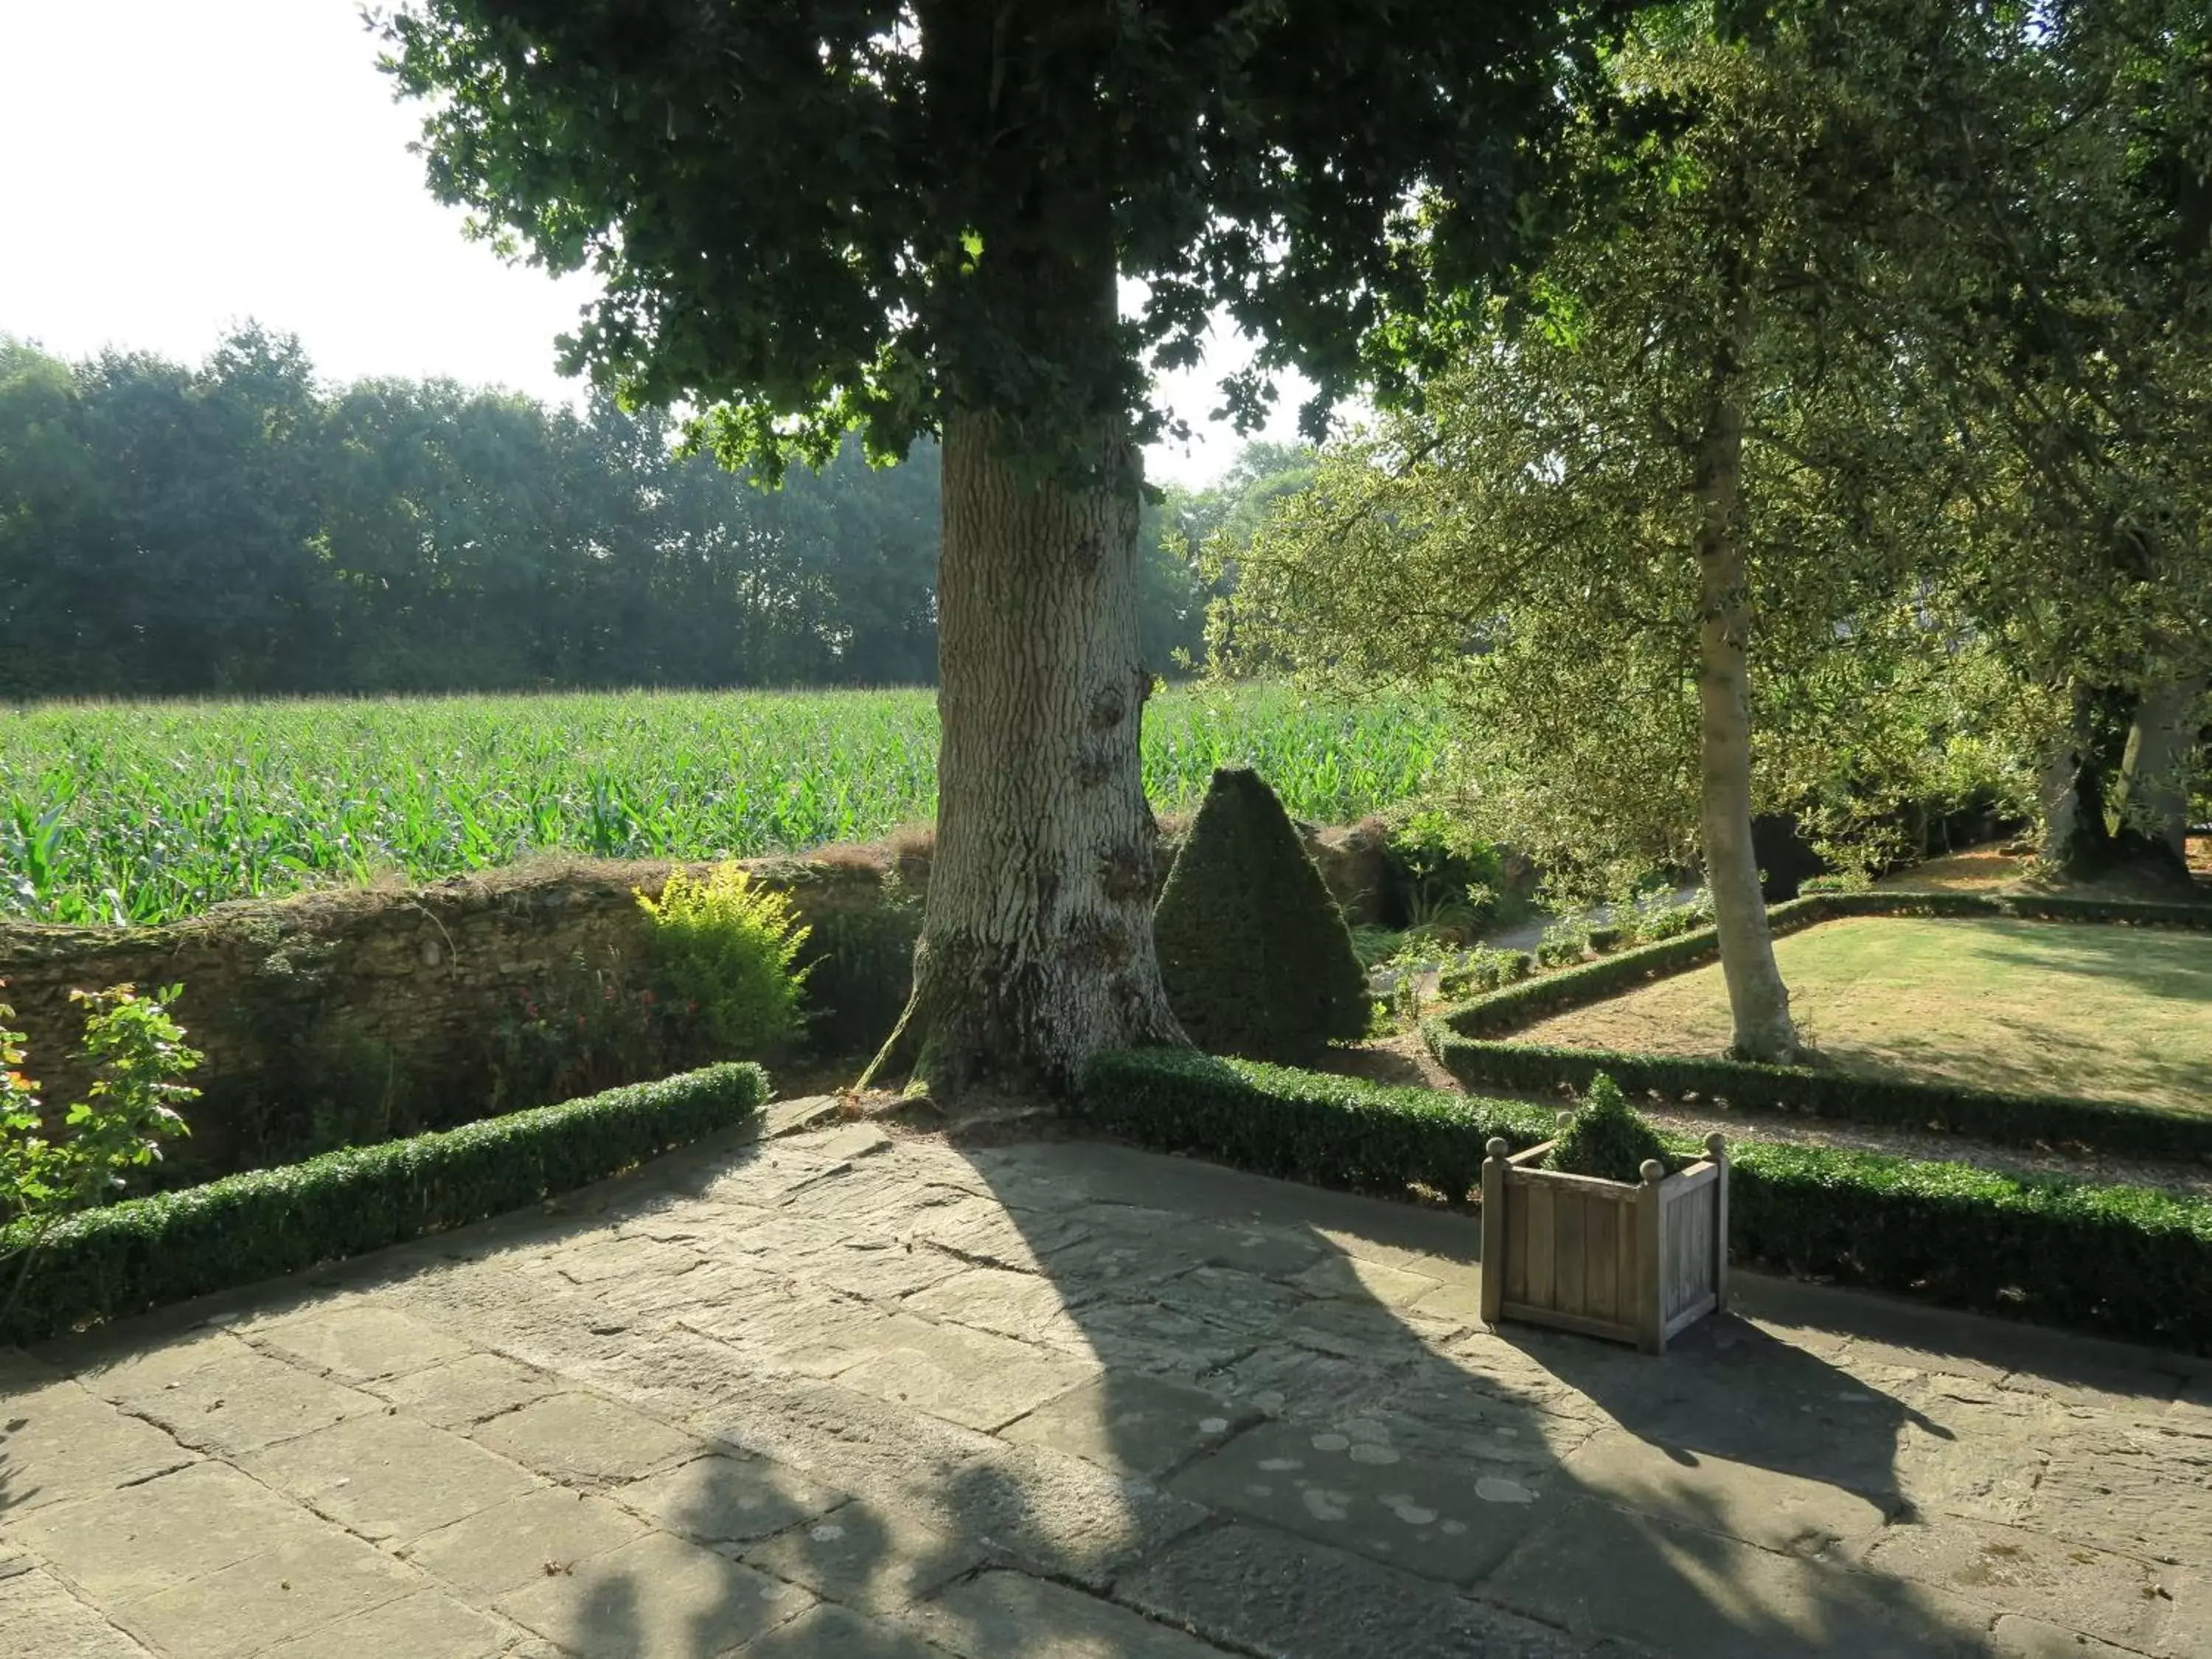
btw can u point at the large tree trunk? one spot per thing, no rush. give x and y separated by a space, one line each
2158 769
1758 1002
1037 944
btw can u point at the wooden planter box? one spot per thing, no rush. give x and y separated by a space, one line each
1632 1263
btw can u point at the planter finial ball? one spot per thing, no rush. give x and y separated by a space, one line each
1565 1119
1497 1146
1716 1144
1653 1170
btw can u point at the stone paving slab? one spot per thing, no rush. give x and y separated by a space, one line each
40 1619
388 1480
307 1580
657 1598
60 1442
719 1500
510 1545
858 1395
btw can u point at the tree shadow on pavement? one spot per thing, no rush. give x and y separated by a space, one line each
1064 1397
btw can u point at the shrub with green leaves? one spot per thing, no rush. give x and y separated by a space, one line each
1303 1125
1847 881
137 1057
1607 1137
1484 970
1564 941
1452 876
1658 916
1253 952
727 950
146 1252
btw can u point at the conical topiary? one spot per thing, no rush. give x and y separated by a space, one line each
1253 951
1608 1137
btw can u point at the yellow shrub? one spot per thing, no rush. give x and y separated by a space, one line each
726 949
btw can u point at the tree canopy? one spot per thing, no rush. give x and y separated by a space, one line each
814 216
1669 523
904 216
241 526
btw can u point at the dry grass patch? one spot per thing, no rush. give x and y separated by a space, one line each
2030 1007
1977 870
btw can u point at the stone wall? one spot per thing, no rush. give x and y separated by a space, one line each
397 997
354 1013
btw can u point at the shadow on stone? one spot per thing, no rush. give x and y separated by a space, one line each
854 1395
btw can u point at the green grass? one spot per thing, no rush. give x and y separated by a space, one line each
2026 1007
148 812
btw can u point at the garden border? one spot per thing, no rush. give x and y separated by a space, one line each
128 1257
1462 1039
2123 1262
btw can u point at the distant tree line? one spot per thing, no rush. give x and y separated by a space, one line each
240 527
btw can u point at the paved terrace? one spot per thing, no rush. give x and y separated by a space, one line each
848 1393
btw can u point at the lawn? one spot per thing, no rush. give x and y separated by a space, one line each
2116 1013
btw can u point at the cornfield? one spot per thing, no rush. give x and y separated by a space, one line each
148 812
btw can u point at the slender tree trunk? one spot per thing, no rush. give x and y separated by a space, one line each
2077 844
1037 945
2066 825
2158 769
1758 1002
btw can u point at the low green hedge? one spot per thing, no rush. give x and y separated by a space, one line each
1459 1039
106 1263
2119 1260
1302 1126
2116 1260
2118 1127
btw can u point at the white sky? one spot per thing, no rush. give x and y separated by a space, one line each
169 169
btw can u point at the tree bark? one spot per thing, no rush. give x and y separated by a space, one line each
1037 944
2158 769
2077 844
1759 1001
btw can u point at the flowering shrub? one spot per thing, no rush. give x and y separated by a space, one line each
137 1055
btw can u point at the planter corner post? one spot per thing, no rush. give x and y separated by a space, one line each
1651 1227
1493 1230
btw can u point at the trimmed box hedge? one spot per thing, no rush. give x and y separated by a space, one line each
1462 1041
1311 1126
128 1257
2119 1260
2123 1262
2122 1129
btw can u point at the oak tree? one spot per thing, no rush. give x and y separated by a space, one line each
810 217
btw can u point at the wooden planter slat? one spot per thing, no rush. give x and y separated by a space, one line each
1632 1263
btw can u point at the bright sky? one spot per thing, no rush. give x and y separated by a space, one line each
166 170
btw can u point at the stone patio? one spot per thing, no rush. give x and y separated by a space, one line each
858 1394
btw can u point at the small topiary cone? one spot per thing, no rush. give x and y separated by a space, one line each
1253 950
1608 1138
